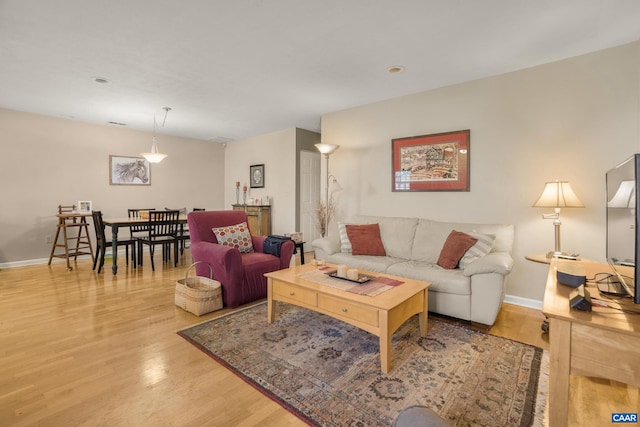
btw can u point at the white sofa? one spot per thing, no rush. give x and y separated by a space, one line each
413 246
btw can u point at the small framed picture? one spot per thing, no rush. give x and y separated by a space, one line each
256 176
84 206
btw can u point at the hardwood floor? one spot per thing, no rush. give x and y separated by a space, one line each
82 349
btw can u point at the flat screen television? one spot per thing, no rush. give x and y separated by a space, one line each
623 234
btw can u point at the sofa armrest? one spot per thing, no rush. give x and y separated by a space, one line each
329 245
286 250
258 243
495 262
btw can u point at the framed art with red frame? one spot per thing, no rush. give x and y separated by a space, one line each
437 162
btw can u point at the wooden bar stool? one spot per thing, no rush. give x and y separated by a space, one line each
69 220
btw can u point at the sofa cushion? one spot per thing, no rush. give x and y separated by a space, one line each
431 235
454 249
237 236
365 239
481 248
430 238
345 244
397 234
504 233
442 280
365 262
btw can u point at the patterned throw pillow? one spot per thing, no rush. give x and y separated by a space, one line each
345 243
481 248
237 236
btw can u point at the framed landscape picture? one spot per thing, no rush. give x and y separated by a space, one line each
438 162
256 176
125 170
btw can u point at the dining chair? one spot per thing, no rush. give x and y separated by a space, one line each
138 230
162 229
183 230
102 243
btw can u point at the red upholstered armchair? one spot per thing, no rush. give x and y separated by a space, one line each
241 274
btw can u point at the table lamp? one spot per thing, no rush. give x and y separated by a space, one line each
557 195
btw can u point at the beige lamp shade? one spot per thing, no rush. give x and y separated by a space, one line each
154 156
558 194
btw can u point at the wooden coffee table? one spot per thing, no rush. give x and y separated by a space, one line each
380 315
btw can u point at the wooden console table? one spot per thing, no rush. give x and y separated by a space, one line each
603 343
258 217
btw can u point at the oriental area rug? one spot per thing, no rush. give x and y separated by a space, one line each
328 372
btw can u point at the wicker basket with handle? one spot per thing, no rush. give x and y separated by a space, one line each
198 295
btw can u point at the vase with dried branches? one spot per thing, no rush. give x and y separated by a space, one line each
324 213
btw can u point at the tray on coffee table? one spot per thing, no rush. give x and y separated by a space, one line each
362 278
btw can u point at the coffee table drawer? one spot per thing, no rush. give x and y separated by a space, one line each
285 291
349 310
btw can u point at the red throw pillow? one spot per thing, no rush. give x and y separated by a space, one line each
365 239
456 245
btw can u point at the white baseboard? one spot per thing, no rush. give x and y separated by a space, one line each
40 261
523 302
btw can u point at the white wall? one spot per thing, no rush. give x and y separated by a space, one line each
277 151
46 161
570 120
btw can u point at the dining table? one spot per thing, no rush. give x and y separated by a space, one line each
125 222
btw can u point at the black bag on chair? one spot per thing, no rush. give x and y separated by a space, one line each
273 244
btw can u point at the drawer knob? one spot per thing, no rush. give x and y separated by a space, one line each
344 309
292 293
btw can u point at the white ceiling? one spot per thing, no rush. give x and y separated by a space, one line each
240 68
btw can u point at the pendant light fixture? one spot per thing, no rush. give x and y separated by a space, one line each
154 156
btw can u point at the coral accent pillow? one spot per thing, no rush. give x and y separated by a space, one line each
237 236
456 245
365 239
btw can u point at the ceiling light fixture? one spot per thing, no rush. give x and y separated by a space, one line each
155 156
395 69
